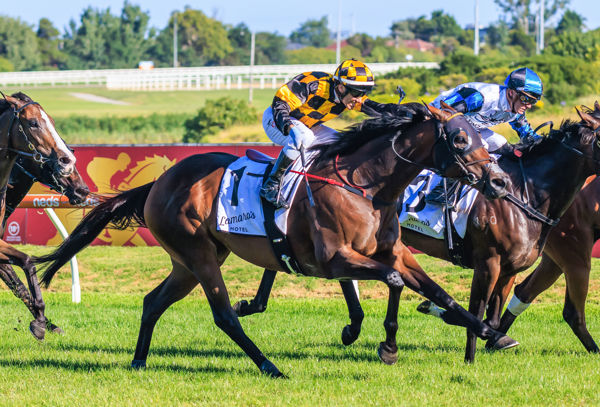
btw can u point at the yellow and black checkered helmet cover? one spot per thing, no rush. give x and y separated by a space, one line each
355 74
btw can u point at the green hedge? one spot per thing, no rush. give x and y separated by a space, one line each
115 124
218 115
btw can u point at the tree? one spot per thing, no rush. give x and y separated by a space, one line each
18 45
364 42
48 44
239 37
313 33
270 48
439 25
570 22
201 40
522 12
497 35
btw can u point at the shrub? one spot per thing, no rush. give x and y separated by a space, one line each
217 115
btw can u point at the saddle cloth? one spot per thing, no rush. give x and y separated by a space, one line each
420 216
239 208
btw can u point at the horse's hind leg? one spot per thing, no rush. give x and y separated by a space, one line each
227 320
350 332
574 309
259 303
34 300
175 287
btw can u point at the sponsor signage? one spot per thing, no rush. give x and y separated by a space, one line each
107 169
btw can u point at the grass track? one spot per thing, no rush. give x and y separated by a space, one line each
191 362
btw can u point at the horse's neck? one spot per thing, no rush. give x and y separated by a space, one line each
553 180
378 169
20 184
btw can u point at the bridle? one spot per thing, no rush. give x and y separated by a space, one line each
444 138
32 152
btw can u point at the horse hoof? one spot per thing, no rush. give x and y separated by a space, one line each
138 364
37 329
505 342
54 328
269 369
387 355
240 308
424 307
348 338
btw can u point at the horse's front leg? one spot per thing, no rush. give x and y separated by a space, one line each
34 300
351 332
259 303
348 264
485 277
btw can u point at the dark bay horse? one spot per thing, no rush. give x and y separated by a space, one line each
501 239
345 236
569 251
27 133
22 177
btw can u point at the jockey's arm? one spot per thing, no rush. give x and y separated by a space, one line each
291 96
463 100
523 128
374 109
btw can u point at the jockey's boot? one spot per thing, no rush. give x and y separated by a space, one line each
271 188
437 196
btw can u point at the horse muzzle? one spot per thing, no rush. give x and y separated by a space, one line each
495 183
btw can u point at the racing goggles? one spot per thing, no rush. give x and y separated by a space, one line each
357 93
526 99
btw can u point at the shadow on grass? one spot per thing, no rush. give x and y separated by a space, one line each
93 366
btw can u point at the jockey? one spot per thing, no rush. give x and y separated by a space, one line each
301 106
485 105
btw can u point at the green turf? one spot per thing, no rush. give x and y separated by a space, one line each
192 362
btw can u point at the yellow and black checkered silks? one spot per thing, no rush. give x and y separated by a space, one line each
354 73
309 98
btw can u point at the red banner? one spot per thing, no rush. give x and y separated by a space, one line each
106 170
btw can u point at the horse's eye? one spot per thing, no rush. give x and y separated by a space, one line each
33 123
460 141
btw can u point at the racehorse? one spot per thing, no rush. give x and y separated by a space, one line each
501 238
344 236
27 134
22 177
569 251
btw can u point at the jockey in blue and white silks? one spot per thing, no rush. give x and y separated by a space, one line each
485 105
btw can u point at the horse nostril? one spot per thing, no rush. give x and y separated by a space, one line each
65 161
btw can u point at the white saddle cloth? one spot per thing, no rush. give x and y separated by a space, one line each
239 208
427 218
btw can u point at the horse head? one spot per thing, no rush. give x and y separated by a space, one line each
30 132
589 131
25 172
459 153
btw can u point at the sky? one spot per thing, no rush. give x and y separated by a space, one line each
373 17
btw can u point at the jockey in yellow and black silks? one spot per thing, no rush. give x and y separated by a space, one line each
301 106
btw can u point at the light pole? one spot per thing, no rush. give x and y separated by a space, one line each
175 63
338 41
252 47
476 28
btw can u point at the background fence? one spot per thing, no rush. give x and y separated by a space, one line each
201 78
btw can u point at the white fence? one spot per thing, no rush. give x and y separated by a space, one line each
201 78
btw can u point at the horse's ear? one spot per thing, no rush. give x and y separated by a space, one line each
597 106
446 106
439 114
590 120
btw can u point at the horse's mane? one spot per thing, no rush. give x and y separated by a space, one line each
352 138
4 105
568 130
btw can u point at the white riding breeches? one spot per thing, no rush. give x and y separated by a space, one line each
319 134
491 140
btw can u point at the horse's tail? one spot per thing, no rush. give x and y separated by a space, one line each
121 212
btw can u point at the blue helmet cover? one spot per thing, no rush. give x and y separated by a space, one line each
525 80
